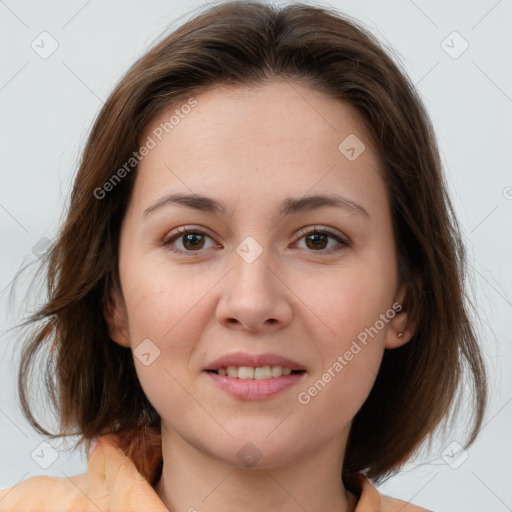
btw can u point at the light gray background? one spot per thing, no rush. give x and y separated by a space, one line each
47 108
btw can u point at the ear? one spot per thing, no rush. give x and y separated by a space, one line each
401 327
114 311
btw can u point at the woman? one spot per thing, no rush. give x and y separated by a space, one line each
256 300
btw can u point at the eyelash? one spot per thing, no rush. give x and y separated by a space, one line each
180 232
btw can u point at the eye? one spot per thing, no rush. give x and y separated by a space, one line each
317 240
191 240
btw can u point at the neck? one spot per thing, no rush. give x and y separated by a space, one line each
193 480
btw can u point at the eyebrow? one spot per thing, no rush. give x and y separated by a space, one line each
288 206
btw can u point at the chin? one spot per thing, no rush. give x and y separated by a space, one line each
256 451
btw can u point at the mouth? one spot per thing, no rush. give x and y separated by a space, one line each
254 377
255 373
248 366
254 388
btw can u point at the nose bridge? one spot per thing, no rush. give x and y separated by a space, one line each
251 270
253 296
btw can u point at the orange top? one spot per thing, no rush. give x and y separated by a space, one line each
112 482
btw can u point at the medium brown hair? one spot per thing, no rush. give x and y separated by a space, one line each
92 381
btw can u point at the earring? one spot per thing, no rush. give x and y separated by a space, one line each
400 335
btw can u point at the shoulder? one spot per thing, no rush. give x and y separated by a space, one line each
395 505
111 482
43 493
371 500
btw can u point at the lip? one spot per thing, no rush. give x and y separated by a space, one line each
254 389
254 360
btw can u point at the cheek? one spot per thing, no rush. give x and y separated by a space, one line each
163 299
354 308
347 302
167 314
349 354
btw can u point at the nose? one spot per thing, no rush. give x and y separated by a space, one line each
254 297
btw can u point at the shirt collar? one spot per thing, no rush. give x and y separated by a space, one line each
112 472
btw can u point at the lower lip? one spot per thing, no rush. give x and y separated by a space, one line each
255 389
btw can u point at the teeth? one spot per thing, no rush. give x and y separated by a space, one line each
248 372
232 371
277 371
245 372
262 372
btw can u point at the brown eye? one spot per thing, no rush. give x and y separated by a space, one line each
189 240
318 240
193 241
185 240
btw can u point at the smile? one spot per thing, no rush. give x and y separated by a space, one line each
258 373
254 388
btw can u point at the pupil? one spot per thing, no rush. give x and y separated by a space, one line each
315 238
192 238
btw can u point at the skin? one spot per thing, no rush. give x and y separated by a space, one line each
250 148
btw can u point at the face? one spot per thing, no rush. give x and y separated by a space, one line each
262 277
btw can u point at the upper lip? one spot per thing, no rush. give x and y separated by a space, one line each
254 360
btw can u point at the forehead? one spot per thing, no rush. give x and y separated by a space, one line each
277 135
279 110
